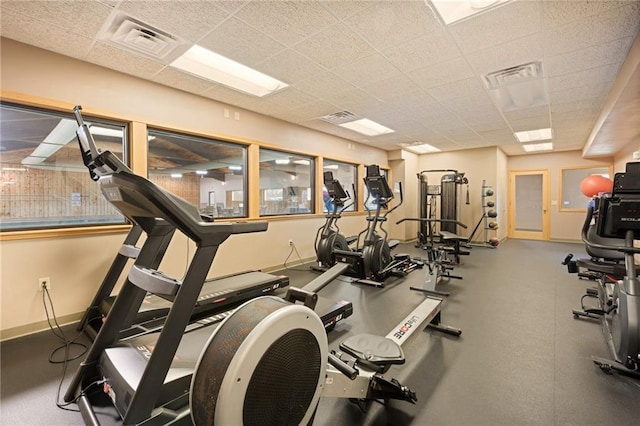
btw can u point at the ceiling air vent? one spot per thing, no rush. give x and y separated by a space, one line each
517 74
519 87
339 117
135 36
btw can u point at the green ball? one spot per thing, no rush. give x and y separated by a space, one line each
489 192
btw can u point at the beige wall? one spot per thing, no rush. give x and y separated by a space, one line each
477 164
625 156
564 225
76 265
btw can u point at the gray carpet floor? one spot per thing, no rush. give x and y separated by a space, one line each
522 357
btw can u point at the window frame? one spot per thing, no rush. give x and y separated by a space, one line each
562 180
69 228
199 138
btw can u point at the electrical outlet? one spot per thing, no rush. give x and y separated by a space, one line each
44 283
290 243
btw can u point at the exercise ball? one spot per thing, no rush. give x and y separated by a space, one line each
489 192
594 184
492 213
494 241
490 204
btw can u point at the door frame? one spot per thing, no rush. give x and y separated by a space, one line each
546 214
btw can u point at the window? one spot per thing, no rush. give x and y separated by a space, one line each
570 192
43 181
347 176
285 183
210 174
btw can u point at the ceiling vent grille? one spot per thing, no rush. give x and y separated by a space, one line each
513 75
135 36
339 117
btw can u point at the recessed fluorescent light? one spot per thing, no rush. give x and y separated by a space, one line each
302 162
103 131
547 146
283 161
201 172
176 175
423 148
367 127
452 11
14 169
332 167
533 135
235 167
212 66
63 133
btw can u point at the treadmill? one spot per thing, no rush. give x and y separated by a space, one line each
217 295
155 376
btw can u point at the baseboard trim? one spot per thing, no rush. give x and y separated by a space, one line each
37 327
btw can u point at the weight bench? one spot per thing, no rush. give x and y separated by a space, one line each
454 244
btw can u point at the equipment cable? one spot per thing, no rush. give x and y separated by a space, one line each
66 345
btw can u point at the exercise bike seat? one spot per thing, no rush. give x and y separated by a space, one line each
372 349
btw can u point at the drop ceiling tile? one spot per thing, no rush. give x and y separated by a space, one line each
123 61
334 46
24 29
469 87
230 6
387 23
392 88
602 54
443 73
289 66
367 70
615 24
497 26
498 136
589 112
600 75
313 110
576 123
567 107
241 42
530 123
177 79
355 100
344 9
526 113
288 98
424 51
288 22
324 85
83 18
560 12
505 55
595 92
187 20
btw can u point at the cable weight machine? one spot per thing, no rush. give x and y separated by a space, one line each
446 197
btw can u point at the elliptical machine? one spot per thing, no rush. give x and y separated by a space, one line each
618 216
374 263
328 237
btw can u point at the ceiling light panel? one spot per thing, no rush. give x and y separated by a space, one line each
419 148
534 135
212 66
536 147
367 127
455 10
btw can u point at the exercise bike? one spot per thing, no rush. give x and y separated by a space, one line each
374 263
328 237
618 216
